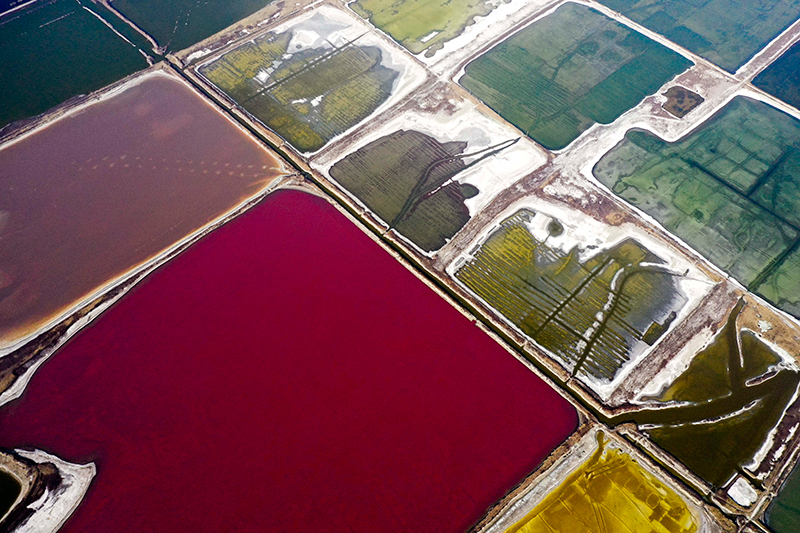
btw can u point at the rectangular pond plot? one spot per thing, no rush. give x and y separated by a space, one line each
408 179
782 78
567 71
422 25
54 50
109 186
285 373
730 189
594 311
310 80
726 32
608 491
717 414
178 24
425 173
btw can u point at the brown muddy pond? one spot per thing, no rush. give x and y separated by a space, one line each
109 186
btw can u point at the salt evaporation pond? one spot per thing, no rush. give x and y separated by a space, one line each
285 373
110 186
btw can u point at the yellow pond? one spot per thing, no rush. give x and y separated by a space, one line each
609 493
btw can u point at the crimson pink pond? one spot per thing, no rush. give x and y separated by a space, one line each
287 374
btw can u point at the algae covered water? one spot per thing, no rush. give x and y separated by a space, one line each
726 32
730 189
555 89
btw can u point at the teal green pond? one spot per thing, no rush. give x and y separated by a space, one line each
58 49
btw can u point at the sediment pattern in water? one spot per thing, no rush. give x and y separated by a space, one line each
609 493
306 90
408 179
731 396
285 373
563 73
594 315
730 189
101 191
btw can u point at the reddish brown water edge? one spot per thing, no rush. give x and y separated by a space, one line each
286 374
87 198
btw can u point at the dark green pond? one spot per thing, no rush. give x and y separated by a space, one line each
178 24
783 514
55 50
782 78
406 178
729 404
726 32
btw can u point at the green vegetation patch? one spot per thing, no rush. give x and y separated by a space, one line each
681 101
726 32
783 513
731 190
307 95
58 49
730 397
561 74
782 78
422 25
178 24
595 314
407 178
